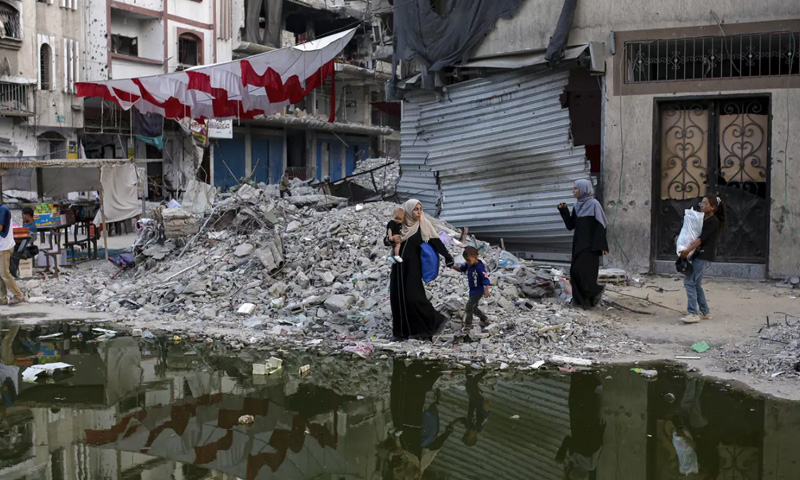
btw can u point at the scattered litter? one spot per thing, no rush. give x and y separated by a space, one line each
514 417
136 332
582 362
176 339
246 420
538 364
52 335
363 350
31 373
104 331
272 366
684 357
304 370
777 374
148 335
508 260
645 373
700 347
246 309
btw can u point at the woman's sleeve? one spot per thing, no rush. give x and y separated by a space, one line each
599 239
442 250
569 220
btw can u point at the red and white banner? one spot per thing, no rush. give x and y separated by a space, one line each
258 85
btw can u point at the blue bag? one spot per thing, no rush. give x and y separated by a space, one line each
430 263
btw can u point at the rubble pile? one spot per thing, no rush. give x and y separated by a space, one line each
295 272
774 352
385 178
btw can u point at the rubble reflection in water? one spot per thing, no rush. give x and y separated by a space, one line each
159 409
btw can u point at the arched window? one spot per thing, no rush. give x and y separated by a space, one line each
190 49
45 67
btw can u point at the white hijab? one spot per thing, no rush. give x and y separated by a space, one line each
410 226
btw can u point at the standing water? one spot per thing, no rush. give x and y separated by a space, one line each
156 409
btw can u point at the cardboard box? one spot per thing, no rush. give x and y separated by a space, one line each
26 268
46 219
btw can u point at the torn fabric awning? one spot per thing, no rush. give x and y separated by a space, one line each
258 85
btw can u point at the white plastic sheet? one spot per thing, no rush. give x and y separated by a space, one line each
691 230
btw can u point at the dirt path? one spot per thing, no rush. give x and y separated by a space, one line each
739 307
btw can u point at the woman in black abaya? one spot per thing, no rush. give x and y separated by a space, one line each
412 313
588 243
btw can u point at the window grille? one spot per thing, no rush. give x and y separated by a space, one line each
713 57
45 66
9 17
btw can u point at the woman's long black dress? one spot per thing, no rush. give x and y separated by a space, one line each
413 314
588 244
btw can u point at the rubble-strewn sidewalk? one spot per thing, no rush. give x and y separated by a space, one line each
306 275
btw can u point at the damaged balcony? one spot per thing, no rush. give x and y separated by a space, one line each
15 99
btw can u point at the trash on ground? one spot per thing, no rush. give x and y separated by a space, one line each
31 373
246 420
645 373
537 364
304 370
272 366
700 347
246 309
581 362
363 350
685 357
52 335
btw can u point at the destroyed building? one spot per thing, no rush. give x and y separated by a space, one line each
332 129
40 61
647 101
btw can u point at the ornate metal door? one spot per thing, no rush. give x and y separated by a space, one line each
715 147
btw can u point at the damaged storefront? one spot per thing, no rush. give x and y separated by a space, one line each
665 105
496 155
494 144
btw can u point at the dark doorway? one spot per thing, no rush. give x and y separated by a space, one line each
296 154
583 98
715 147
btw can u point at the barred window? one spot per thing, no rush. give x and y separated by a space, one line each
713 57
9 22
45 63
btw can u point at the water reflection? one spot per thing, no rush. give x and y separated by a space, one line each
159 410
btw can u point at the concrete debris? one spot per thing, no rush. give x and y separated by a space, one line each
308 268
244 250
774 350
246 309
383 180
178 223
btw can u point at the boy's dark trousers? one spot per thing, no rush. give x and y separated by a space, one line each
285 192
472 309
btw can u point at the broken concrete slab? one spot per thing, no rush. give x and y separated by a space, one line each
244 250
179 223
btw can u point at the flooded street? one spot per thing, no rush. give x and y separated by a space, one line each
160 409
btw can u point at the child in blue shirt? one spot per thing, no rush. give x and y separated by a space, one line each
478 286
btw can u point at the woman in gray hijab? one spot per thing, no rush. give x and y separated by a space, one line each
588 243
